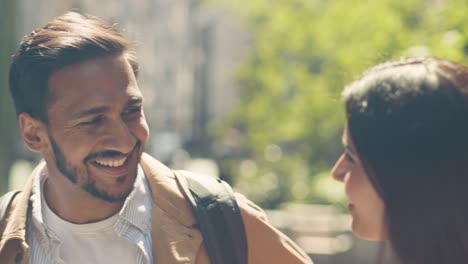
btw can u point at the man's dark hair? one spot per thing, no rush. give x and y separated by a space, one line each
65 40
408 121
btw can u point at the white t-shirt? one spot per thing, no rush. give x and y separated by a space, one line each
89 243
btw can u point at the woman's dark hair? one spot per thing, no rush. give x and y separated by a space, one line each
65 40
408 121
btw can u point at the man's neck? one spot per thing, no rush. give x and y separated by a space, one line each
77 206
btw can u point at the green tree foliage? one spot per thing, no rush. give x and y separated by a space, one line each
303 52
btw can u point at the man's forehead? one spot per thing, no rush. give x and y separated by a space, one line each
95 65
85 100
106 69
94 82
90 68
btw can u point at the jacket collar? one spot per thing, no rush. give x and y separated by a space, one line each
176 239
13 241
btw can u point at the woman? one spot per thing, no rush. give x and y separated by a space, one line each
405 164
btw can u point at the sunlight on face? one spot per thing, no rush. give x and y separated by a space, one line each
96 127
364 204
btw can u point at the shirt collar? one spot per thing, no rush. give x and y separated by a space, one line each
137 207
36 200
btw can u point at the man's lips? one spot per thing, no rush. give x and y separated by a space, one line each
111 155
114 170
113 162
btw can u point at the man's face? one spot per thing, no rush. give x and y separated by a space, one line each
96 127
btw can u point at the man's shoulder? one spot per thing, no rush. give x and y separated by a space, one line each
8 203
249 208
266 244
166 192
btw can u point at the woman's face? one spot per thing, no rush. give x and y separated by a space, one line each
364 204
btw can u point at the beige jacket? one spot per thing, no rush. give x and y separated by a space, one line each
174 235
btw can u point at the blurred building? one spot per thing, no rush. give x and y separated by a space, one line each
187 52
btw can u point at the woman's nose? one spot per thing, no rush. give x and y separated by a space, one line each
340 169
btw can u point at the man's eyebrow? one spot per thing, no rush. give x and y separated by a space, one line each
135 100
102 109
92 111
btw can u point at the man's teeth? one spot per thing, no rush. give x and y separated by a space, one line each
111 163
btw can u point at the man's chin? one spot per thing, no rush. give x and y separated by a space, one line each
105 195
117 191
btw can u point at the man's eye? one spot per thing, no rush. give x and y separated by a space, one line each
134 110
93 121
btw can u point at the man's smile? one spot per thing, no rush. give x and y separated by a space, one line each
111 163
116 167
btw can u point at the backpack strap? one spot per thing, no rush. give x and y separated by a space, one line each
218 217
5 201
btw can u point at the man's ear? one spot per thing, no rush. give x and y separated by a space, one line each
34 132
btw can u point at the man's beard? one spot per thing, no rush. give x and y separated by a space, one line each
71 173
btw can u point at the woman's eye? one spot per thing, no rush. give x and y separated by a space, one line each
349 157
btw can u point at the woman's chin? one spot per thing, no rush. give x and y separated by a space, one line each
367 233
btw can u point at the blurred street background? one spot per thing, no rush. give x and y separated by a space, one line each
249 91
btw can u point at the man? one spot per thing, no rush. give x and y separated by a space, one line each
96 197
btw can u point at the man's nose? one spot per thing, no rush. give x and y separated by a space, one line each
119 137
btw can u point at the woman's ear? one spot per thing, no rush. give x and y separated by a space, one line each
33 132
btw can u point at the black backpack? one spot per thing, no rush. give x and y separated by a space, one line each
216 210
218 217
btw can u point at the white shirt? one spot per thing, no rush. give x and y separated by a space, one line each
123 238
